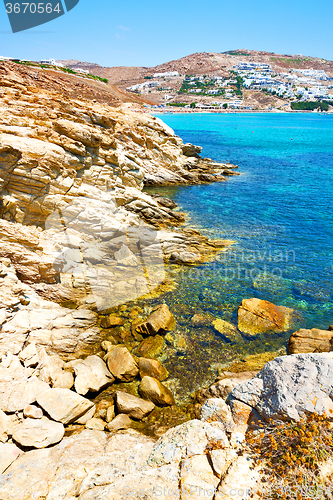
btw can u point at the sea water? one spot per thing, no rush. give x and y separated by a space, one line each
278 212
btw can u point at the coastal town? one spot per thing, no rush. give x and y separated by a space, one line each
227 92
231 81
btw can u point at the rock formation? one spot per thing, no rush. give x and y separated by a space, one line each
310 341
260 316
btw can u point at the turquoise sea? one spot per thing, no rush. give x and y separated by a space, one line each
278 212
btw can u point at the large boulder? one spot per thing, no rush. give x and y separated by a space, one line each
221 460
133 406
63 405
152 368
86 464
201 320
310 341
289 387
242 479
155 391
38 433
185 440
260 316
160 320
91 375
122 365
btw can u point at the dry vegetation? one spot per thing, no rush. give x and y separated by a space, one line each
295 458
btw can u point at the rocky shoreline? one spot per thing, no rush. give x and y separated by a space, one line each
80 382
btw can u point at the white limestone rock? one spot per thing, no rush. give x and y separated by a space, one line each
51 370
132 405
92 463
91 375
63 405
40 433
242 479
4 427
16 395
32 411
185 440
8 453
96 423
290 386
197 478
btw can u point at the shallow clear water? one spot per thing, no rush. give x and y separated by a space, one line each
278 212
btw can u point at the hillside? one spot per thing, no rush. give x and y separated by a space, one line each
71 86
202 63
213 75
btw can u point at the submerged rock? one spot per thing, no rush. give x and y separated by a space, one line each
200 320
155 391
228 330
159 321
151 346
111 321
152 368
260 316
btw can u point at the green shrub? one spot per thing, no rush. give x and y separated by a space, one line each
309 106
177 104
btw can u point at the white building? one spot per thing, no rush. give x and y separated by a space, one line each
52 62
248 66
139 87
83 71
167 74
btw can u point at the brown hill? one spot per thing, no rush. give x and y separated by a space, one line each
203 63
71 86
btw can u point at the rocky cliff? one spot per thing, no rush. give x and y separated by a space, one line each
79 237
75 223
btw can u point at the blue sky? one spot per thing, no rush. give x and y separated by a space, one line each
148 32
